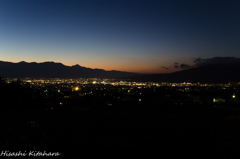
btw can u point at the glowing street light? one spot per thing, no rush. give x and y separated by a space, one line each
234 96
76 88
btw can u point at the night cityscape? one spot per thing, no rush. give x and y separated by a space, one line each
120 79
127 118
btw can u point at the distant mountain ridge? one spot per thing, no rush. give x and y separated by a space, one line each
213 73
55 70
216 73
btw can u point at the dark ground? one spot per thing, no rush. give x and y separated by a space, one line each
165 132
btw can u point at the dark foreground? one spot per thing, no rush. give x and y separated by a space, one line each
165 132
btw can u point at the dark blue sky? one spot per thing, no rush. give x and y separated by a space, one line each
138 36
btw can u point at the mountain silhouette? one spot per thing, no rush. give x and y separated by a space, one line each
216 73
55 70
213 73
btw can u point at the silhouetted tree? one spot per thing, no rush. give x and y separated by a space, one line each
2 81
235 76
3 88
238 75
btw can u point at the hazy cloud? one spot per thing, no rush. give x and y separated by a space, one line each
164 67
216 60
207 61
176 65
184 66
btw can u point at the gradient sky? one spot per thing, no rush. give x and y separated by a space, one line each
125 35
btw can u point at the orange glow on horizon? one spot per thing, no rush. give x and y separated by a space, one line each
134 67
127 68
133 70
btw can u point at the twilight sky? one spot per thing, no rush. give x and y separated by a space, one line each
144 36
